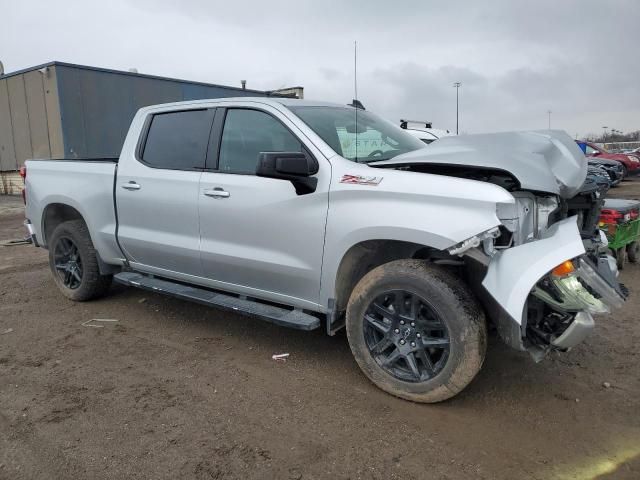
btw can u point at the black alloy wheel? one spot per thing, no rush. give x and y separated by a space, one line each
406 336
68 263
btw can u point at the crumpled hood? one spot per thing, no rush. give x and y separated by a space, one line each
546 160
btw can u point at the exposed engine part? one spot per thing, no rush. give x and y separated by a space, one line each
528 217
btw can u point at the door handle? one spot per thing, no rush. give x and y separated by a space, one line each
217 193
131 186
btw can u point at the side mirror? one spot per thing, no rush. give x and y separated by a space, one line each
296 167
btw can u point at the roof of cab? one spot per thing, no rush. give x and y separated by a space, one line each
296 102
273 101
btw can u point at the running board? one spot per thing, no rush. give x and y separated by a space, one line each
280 316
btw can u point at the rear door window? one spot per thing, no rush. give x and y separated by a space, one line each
178 140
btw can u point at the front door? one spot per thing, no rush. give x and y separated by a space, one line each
258 237
157 193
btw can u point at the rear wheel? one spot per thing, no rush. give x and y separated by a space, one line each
633 249
416 331
74 262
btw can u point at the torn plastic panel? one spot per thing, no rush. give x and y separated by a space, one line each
514 272
519 281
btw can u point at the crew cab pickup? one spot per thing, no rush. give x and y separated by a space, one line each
317 215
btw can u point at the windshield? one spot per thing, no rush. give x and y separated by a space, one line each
357 135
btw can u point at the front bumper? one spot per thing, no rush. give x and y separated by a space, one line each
575 333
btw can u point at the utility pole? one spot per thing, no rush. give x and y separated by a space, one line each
457 86
549 112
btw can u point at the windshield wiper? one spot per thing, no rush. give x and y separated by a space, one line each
373 160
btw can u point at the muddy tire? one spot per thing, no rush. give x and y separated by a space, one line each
633 250
416 330
621 257
74 262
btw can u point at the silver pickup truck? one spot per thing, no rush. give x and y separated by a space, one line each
314 215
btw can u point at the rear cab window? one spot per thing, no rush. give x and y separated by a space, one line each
178 140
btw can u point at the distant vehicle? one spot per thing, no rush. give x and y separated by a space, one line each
614 169
310 214
630 162
424 130
599 176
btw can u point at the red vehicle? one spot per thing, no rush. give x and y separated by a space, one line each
630 161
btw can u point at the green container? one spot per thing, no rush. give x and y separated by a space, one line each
622 234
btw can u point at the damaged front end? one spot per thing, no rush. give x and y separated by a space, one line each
545 269
541 283
568 296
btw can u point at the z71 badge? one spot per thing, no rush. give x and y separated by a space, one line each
361 180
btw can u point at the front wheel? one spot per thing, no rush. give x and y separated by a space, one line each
416 331
74 262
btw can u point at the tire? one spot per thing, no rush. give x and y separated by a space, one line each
84 279
633 249
625 171
621 257
443 300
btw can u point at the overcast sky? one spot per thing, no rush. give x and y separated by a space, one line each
516 59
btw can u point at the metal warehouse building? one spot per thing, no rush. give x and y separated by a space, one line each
62 110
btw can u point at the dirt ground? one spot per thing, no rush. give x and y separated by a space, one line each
176 390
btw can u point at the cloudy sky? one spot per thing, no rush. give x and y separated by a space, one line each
516 59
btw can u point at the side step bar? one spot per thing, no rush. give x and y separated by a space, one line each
280 316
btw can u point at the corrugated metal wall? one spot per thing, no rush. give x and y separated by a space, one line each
62 110
97 106
29 118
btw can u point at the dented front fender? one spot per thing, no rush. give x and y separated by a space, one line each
512 273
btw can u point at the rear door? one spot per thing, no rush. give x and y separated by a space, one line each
157 193
258 236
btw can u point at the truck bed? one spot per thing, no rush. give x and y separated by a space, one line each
85 185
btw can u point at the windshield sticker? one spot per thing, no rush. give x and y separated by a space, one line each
360 180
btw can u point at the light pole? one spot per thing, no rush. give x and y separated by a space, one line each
605 132
457 86
549 112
